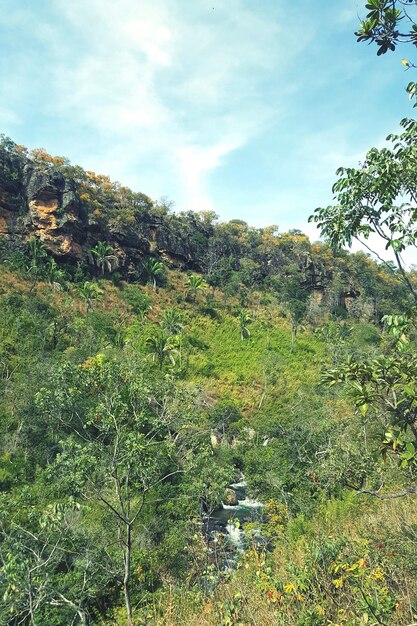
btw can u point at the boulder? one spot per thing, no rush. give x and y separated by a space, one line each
230 497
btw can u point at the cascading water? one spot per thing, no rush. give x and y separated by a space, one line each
225 532
231 518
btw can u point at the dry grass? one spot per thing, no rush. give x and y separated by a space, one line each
373 530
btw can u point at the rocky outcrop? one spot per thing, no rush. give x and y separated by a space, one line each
41 202
230 497
71 210
54 212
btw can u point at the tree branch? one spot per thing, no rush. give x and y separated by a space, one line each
389 496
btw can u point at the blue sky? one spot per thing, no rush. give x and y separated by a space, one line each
245 107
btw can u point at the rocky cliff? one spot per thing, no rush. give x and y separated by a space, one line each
38 200
70 210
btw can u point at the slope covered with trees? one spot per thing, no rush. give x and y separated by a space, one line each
148 359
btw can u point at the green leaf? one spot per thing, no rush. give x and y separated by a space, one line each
363 408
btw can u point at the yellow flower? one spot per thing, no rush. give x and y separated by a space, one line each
378 573
338 582
289 588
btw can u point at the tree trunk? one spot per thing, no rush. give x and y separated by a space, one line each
413 428
126 578
293 334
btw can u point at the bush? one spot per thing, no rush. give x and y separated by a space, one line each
139 302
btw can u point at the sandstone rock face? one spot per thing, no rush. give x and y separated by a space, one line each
230 497
39 201
54 214
5 217
45 204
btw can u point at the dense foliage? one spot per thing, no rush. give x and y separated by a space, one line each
389 23
131 401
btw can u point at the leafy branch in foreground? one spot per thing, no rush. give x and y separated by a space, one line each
387 387
121 448
378 200
387 24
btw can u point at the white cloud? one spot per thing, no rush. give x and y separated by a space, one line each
195 163
178 87
160 94
347 15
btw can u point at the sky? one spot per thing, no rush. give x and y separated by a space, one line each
244 107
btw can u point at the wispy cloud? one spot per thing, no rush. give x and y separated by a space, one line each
236 106
178 87
196 162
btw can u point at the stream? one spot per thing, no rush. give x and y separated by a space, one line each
229 522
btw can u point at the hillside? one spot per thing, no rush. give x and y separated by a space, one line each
152 360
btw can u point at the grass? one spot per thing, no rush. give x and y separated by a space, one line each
305 581
366 545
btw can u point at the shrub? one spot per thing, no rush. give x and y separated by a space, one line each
139 301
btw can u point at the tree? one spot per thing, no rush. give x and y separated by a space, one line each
387 24
386 386
120 447
89 292
223 414
154 270
37 584
103 256
162 347
193 285
294 296
37 255
139 301
244 321
380 199
336 336
55 275
172 321
37 251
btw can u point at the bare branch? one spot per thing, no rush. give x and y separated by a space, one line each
389 496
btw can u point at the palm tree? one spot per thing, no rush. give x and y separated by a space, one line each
162 347
153 269
103 256
172 322
172 325
37 251
89 292
193 285
244 320
54 274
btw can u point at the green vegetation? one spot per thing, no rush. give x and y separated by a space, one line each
389 23
158 365
112 394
